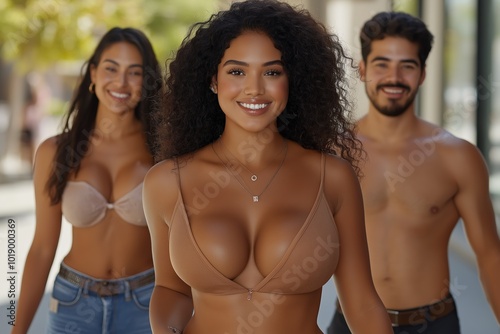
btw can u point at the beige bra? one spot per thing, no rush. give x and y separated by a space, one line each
314 251
84 206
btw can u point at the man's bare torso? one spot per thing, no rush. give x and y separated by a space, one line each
408 191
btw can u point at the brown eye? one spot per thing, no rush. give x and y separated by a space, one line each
236 72
273 73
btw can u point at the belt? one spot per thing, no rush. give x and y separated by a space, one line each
103 287
418 315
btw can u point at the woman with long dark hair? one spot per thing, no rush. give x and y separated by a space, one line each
92 174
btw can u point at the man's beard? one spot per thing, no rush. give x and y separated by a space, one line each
393 108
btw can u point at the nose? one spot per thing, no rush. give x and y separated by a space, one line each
394 73
121 79
254 85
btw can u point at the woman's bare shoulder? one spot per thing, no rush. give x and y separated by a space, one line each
160 190
161 172
340 181
47 146
338 167
45 152
335 168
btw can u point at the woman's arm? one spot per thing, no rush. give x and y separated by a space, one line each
171 305
361 305
43 248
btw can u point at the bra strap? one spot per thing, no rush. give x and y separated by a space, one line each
323 168
177 171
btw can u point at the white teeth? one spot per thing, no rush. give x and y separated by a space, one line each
393 90
254 106
119 95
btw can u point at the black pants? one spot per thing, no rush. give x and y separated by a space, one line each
448 324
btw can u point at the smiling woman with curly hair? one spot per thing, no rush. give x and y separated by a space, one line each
317 113
254 202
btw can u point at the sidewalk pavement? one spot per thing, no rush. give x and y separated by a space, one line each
17 203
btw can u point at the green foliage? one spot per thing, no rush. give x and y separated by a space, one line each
407 6
40 33
168 21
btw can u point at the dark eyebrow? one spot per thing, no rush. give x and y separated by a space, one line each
411 61
241 63
115 63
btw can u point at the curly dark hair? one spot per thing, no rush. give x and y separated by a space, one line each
79 121
396 24
317 115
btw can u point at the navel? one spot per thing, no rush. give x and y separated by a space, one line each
434 209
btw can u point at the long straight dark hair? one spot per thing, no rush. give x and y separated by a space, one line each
79 122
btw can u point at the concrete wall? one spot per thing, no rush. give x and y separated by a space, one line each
346 17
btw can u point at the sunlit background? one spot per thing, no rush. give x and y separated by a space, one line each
44 43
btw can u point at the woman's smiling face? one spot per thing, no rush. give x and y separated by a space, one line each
251 82
118 78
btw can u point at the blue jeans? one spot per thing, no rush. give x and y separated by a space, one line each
75 310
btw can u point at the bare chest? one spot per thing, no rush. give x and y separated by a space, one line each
411 179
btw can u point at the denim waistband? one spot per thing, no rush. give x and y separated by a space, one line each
106 287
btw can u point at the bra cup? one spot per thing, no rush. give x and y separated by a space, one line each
90 213
83 206
309 262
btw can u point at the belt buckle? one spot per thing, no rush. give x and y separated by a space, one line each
394 317
104 289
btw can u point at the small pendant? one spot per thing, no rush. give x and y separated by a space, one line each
253 178
255 198
249 295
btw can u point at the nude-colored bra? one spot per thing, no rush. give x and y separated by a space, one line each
83 206
307 264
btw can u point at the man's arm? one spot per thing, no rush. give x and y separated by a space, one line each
474 205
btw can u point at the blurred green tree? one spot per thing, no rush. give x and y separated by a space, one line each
38 33
407 6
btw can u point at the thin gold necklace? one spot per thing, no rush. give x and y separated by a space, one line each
253 176
255 198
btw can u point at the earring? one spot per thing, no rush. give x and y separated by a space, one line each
213 89
92 88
